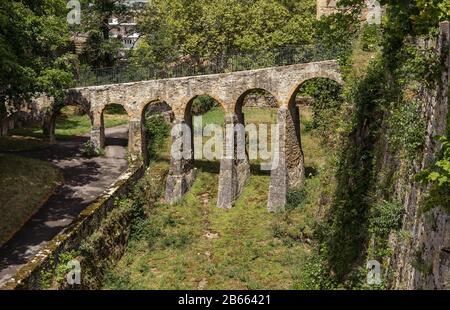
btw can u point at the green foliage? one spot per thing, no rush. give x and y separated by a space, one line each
90 150
386 94
370 37
385 218
202 104
419 65
100 49
198 28
295 198
438 177
327 101
156 130
33 39
407 128
314 274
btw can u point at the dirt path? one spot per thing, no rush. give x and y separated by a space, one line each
85 179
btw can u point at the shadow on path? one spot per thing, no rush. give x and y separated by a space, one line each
85 180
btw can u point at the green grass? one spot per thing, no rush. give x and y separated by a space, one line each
69 125
24 185
252 115
195 245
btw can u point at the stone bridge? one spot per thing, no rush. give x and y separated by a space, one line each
229 89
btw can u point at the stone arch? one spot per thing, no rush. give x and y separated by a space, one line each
98 129
327 74
188 106
290 171
240 100
182 171
73 98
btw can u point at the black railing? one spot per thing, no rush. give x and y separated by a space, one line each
282 56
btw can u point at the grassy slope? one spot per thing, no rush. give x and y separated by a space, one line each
194 245
24 185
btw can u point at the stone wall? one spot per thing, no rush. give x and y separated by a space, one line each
34 273
260 101
428 243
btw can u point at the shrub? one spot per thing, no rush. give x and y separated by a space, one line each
314 274
385 217
370 37
157 130
295 198
90 150
438 177
407 129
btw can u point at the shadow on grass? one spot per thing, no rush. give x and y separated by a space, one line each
310 172
208 166
214 167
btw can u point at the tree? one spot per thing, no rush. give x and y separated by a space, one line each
101 49
194 28
33 49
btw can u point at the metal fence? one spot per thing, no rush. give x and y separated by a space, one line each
281 56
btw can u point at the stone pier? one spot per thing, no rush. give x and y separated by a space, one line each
98 131
234 166
48 128
288 166
135 136
182 172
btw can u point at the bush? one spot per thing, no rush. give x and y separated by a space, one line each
90 150
438 177
314 274
326 104
407 129
157 130
295 198
370 37
385 217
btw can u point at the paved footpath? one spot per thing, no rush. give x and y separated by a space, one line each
85 180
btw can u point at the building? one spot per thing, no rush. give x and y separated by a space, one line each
125 28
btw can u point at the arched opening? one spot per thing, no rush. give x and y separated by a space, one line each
71 120
256 109
296 140
319 101
157 117
203 114
115 128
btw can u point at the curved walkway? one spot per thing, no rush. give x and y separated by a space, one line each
85 180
